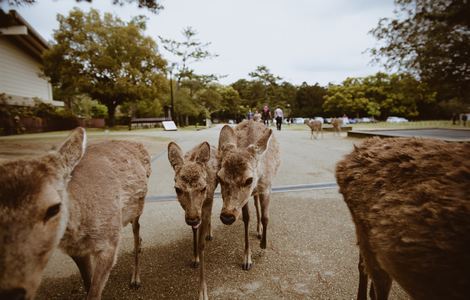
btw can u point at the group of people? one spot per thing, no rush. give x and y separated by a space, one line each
266 116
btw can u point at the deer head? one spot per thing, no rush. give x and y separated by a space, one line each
239 172
190 180
34 214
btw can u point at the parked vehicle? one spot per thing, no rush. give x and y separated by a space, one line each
298 121
396 120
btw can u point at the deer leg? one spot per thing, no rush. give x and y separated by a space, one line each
264 197
104 261
135 280
86 269
246 220
195 263
258 216
204 232
381 284
362 290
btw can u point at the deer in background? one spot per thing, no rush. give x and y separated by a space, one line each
195 184
76 200
410 203
249 160
337 123
315 128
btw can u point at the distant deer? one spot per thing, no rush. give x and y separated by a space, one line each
195 184
410 202
74 203
337 123
249 159
315 128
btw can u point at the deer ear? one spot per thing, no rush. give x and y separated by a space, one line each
175 155
263 142
203 153
73 149
227 136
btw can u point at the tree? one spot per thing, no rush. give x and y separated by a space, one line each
431 39
188 52
379 95
309 100
268 80
152 5
106 58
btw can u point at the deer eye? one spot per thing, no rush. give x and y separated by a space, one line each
178 190
52 211
249 181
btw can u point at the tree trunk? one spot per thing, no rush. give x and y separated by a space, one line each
111 115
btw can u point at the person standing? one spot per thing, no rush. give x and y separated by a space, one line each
279 115
257 116
266 115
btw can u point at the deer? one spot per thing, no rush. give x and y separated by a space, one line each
410 204
315 128
337 123
249 160
76 199
195 184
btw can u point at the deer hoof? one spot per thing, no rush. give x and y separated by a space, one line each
135 285
195 264
209 237
263 244
247 266
259 236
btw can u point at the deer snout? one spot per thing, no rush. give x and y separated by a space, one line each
13 294
227 219
193 221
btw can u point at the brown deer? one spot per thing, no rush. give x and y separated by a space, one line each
337 123
409 200
75 200
249 159
315 128
195 184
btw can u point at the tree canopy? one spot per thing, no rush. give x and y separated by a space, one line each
106 58
431 39
153 5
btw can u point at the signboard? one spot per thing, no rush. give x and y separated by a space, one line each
169 125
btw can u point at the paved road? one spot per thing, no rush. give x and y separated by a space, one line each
311 250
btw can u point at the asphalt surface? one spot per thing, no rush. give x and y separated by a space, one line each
437 133
311 250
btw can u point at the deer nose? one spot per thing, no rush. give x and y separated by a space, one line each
193 221
227 219
13 294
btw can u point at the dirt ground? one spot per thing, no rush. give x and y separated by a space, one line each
311 250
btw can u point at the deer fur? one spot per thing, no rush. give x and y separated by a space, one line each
195 184
315 128
75 200
410 203
337 123
249 159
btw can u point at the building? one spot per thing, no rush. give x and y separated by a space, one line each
21 48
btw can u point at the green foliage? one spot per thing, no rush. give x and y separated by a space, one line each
84 106
188 51
380 95
106 58
430 38
309 100
152 5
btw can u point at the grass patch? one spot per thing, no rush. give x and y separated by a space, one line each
386 125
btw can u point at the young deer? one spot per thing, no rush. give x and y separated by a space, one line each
315 128
249 159
409 200
75 200
195 184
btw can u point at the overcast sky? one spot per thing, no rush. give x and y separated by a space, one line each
299 40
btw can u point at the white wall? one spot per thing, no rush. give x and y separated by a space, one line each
20 74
